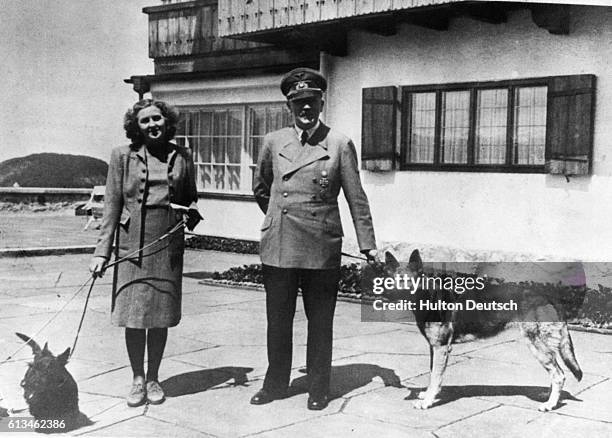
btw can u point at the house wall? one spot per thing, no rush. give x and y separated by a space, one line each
536 214
226 218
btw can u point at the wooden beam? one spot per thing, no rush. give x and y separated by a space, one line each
554 18
383 27
493 14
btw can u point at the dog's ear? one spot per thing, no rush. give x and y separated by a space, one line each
390 261
46 348
31 342
63 358
415 262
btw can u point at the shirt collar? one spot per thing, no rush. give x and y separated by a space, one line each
309 131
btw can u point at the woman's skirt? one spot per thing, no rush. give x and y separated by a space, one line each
147 286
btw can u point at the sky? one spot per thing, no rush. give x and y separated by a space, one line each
62 66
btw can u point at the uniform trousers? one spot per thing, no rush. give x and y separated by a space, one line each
319 292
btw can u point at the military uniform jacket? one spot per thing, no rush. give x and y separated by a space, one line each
126 189
297 188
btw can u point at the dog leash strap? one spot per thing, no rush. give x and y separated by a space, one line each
76 338
354 256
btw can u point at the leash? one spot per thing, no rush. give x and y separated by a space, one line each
354 256
173 230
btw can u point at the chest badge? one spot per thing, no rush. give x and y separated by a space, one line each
324 181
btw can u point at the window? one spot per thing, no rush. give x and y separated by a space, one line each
226 141
500 126
525 125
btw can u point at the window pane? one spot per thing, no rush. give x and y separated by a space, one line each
455 126
255 148
219 177
529 125
233 150
233 177
275 119
205 127
181 127
220 123
491 126
423 127
234 122
204 177
258 121
218 150
204 150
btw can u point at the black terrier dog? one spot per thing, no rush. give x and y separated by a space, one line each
50 391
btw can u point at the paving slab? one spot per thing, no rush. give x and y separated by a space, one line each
390 405
338 425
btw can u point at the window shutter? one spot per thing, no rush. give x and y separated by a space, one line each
569 126
378 128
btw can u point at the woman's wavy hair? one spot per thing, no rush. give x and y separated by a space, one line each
130 120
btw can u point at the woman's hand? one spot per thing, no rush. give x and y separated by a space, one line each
97 266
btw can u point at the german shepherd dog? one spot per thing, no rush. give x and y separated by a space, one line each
49 390
541 319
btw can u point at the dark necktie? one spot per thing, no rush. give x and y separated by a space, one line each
304 138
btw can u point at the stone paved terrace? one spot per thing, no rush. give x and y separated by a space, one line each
216 359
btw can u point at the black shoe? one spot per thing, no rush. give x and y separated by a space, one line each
264 396
317 403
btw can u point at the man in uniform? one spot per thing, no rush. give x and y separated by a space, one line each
300 172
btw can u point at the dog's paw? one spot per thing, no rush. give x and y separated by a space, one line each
424 403
546 407
421 395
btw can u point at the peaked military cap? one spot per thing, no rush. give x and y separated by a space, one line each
303 82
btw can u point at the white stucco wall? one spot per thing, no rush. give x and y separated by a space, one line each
524 213
225 218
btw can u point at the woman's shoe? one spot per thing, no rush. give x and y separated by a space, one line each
137 395
155 393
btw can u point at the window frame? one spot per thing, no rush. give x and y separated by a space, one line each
473 88
246 164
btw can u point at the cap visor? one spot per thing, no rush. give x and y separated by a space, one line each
303 94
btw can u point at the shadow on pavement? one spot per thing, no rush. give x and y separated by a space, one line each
198 381
347 378
452 393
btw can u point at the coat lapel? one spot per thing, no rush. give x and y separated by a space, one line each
313 150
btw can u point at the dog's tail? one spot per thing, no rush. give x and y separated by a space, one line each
567 353
31 342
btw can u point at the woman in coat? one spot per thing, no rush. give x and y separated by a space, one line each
143 180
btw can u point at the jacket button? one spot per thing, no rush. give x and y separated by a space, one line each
285 194
314 213
139 200
141 190
144 170
285 211
142 179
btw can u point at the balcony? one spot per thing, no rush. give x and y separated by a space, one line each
324 23
184 39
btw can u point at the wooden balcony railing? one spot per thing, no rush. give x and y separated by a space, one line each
237 17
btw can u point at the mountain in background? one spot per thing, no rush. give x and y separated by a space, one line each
53 170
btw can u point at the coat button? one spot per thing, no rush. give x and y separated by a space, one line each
142 179
285 211
144 170
285 194
139 200
141 190
314 213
